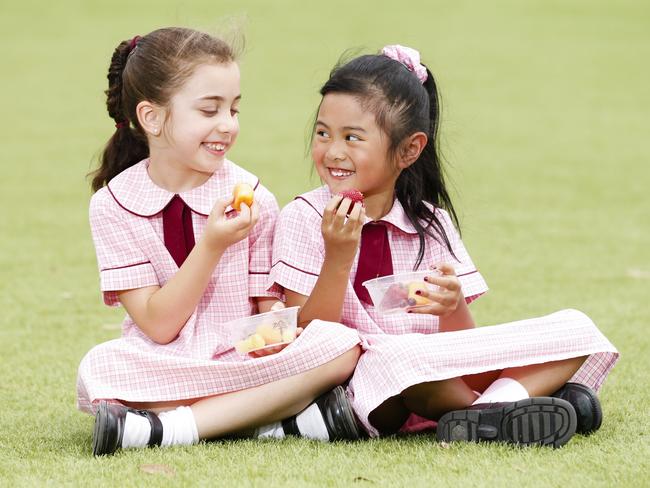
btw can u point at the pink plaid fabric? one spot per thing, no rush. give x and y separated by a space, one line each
126 223
402 350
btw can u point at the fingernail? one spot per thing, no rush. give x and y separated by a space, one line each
418 292
426 278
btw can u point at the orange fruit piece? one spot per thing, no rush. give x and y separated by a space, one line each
242 193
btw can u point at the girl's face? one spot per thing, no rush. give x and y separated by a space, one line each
202 122
350 151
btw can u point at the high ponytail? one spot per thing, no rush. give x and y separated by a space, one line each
402 106
149 68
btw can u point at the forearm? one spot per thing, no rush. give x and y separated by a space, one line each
326 299
168 309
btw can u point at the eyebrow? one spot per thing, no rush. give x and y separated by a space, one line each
347 127
218 98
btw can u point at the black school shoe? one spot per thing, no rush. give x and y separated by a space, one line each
542 421
585 403
337 413
109 427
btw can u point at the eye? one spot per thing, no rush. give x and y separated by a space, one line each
234 112
209 112
352 138
322 133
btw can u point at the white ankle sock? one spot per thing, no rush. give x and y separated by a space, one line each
179 427
503 390
137 431
311 424
270 431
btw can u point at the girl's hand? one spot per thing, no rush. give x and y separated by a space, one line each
267 351
448 296
223 230
340 233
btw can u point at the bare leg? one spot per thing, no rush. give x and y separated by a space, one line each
429 400
241 410
546 378
480 381
433 399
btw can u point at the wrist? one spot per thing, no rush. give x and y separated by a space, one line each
335 264
212 248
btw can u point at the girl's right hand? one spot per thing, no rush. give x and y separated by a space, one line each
341 234
223 230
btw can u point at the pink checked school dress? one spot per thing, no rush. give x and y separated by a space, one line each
127 219
402 350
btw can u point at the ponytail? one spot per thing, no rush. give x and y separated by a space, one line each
127 145
423 182
150 68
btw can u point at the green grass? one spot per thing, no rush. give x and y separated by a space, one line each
545 128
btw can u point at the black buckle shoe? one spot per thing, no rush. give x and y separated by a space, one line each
540 421
109 427
586 404
338 415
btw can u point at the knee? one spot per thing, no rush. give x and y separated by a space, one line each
341 368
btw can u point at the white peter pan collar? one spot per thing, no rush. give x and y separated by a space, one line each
134 190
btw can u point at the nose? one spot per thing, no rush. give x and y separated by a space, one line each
227 124
335 152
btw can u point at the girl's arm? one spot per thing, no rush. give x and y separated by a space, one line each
341 236
161 312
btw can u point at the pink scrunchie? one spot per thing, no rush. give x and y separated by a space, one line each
408 57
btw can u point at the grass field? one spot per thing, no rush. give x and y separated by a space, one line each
545 128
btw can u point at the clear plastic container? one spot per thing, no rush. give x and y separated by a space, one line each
264 331
396 293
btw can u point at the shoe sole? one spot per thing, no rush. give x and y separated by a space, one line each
352 430
100 438
542 421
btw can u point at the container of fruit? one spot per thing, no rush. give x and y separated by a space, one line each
398 292
264 332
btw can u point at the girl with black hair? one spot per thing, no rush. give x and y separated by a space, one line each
528 382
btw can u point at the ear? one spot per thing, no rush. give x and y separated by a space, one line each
411 149
150 117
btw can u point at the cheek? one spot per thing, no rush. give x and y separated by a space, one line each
317 154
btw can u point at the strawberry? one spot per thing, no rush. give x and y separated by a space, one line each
354 195
395 297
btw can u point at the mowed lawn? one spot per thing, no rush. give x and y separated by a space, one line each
545 130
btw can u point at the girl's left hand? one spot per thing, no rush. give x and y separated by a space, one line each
448 296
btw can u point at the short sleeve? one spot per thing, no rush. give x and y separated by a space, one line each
261 246
473 284
298 251
122 263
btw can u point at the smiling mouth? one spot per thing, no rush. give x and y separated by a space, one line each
215 146
340 173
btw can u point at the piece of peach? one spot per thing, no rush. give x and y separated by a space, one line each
418 286
242 193
270 334
288 335
257 341
243 346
